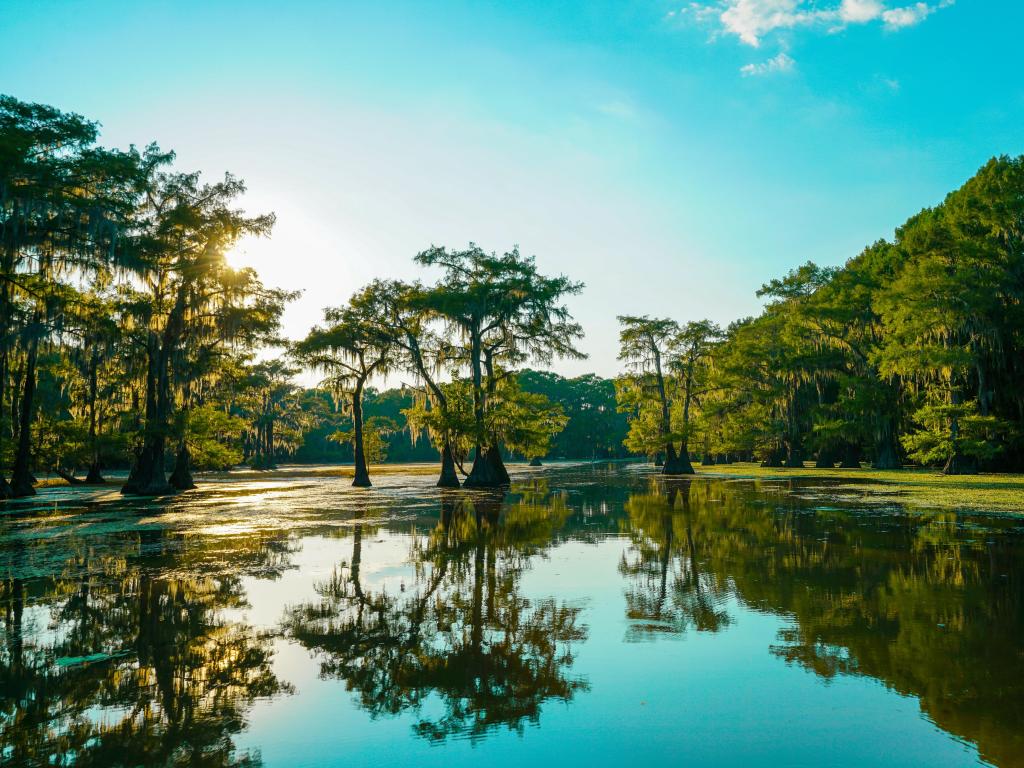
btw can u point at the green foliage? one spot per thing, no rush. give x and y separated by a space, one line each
525 422
948 430
375 433
839 359
594 427
212 437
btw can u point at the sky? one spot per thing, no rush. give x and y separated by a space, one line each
673 156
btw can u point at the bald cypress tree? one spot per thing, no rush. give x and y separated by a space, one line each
503 311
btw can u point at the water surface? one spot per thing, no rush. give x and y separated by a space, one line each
591 615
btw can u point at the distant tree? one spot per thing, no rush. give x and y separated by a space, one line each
691 350
350 350
942 320
594 426
406 315
645 346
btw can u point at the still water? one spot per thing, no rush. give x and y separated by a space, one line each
592 615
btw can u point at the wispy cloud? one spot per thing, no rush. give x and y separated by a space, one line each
780 63
753 20
897 18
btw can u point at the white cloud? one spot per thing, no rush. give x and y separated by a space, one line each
780 63
897 18
860 11
752 20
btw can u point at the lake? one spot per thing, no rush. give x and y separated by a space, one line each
590 615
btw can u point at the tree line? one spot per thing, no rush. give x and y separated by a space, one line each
911 351
127 339
594 427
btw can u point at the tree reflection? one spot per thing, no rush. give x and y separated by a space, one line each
667 591
461 646
925 603
111 664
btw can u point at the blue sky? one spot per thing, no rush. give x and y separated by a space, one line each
672 155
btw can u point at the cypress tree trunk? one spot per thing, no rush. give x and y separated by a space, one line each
94 477
683 462
886 452
21 477
498 465
181 477
676 463
958 463
271 464
147 476
6 491
774 458
484 472
449 478
362 475
794 458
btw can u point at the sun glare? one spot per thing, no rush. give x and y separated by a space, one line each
237 258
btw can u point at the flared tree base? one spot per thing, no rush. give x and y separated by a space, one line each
678 465
488 470
95 476
23 486
449 477
181 477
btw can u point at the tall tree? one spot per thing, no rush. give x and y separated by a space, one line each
183 232
504 310
351 349
62 206
645 346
